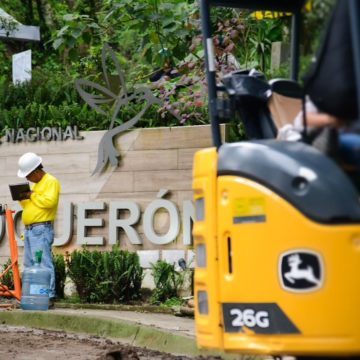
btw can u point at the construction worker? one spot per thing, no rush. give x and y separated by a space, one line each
39 211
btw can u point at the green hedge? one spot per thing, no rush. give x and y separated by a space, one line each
105 277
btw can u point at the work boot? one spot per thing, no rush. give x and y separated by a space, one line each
51 303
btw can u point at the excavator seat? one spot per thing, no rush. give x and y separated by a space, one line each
249 96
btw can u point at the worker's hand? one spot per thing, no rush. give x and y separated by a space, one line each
25 195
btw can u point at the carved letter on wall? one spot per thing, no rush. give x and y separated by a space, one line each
127 224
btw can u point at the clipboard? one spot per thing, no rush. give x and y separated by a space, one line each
17 189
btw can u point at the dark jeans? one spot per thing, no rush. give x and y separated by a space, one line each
349 147
349 156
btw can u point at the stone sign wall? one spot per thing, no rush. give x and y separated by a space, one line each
144 204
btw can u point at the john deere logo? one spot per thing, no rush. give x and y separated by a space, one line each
301 271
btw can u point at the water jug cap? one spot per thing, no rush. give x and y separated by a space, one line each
38 256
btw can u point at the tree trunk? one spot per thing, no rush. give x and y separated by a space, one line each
29 11
45 33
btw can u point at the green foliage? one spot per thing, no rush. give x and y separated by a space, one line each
261 35
60 274
184 96
7 279
175 301
168 282
315 23
165 26
48 100
7 24
248 39
147 36
78 30
105 277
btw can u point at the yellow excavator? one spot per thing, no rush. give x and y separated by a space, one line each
277 229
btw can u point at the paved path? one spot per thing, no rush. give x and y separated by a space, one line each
166 322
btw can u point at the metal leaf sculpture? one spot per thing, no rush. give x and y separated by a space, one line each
103 95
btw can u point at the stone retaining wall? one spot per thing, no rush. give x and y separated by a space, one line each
151 160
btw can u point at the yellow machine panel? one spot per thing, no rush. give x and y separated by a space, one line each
270 280
264 246
206 275
277 228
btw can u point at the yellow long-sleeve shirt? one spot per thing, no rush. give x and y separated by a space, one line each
43 203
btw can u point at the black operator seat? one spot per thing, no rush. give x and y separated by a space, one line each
249 95
286 87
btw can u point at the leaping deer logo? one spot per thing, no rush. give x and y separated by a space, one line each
297 273
104 95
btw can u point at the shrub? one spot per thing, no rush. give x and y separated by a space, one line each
7 279
60 274
168 282
110 277
48 100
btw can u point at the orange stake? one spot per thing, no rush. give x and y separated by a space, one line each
4 290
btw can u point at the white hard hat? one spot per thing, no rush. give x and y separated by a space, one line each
27 163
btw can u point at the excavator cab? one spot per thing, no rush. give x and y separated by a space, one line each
277 230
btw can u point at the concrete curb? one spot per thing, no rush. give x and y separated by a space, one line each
125 331
138 308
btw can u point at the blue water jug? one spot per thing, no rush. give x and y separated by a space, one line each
35 286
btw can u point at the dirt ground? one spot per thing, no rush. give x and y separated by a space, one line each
19 343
